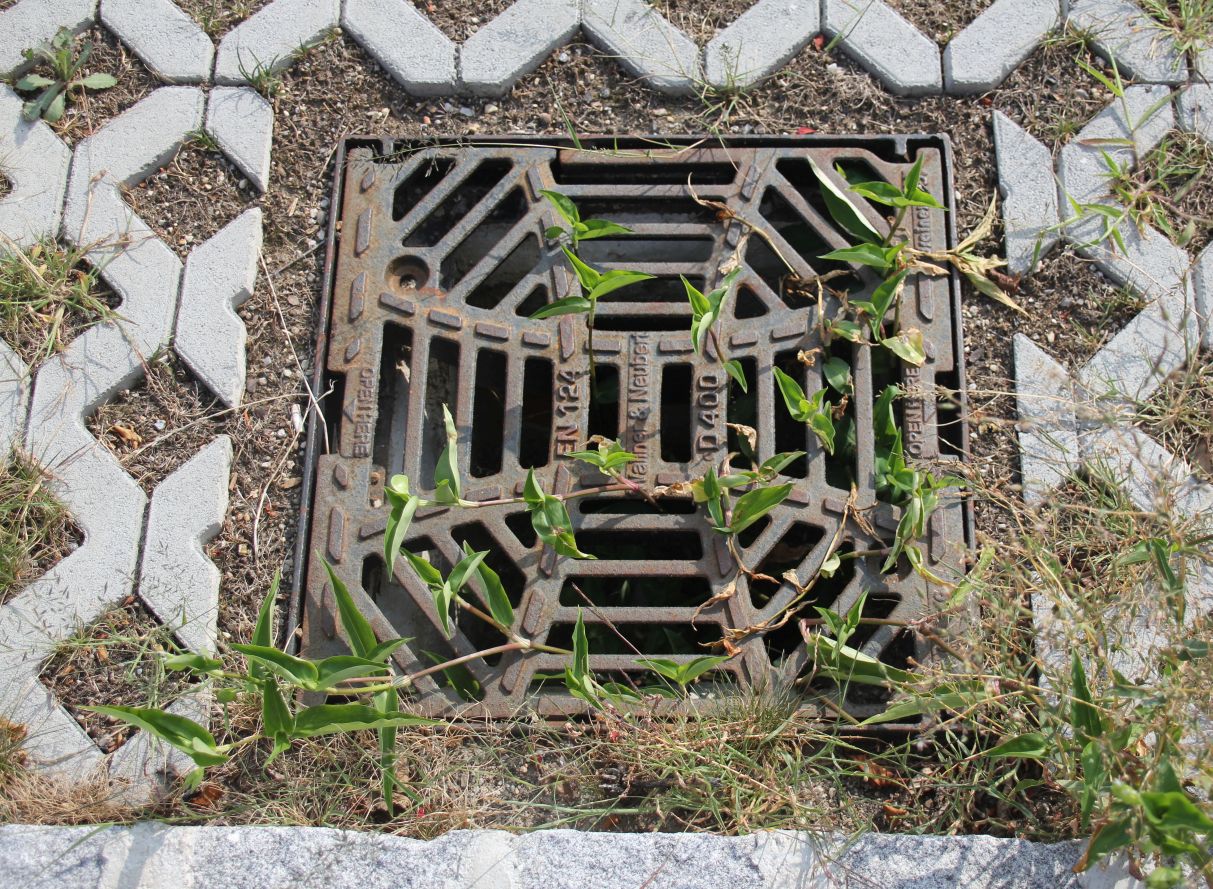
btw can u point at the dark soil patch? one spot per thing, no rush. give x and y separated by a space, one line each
217 17
460 19
157 425
6 185
114 661
940 21
36 530
1172 189
1180 414
191 197
699 20
90 110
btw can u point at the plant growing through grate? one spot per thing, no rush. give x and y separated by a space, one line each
450 260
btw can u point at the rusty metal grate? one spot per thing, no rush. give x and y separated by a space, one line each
440 260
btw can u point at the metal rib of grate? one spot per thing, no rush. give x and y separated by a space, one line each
440 261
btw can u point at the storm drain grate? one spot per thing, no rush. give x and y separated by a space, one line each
440 261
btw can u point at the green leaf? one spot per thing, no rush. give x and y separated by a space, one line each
429 575
772 466
616 279
845 213
447 487
1084 717
692 670
884 423
1030 745
54 110
753 505
601 228
263 632
581 648
186 735
463 570
327 719
793 396
1173 810
733 368
403 506
495 594
99 81
1108 838
570 305
884 296
699 303
196 662
33 82
838 375
866 254
531 492
381 652
848 330
713 496
293 669
564 206
846 664
586 276
822 425
357 628
276 719
907 346
880 192
554 527
915 174
341 667
554 232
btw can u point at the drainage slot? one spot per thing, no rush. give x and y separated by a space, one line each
419 183
676 413
842 468
743 410
535 444
645 546
655 290
391 423
497 285
604 406
786 555
459 203
654 172
787 639
484 237
634 323
635 506
488 413
441 388
746 304
477 536
635 592
640 211
645 639
535 300
637 250
790 434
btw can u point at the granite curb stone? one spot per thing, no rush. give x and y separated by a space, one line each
760 41
515 43
151 855
904 59
411 48
983 54
167 39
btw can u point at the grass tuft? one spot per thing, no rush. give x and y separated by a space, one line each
35 529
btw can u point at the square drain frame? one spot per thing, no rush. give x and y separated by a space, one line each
436 257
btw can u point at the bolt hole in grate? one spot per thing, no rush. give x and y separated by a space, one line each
434 268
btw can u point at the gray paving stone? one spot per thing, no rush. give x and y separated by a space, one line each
1048 426
177 580
153 855
1121 31
14 399
409 46
219 277
760 41
32 22
515 43
1028 186
1202 283
242 122
982 55
36 163
270 39
168 40
644 42
1195 109
904 59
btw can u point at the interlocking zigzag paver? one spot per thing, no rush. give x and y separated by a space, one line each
1121 31
36 163
760 41
644 42
33 22
168 40
1030 213
904 59
1195 107
1048 426
408 45
219 277
514 44
1202 283
242 122
982 55
14 399
177 580
269 40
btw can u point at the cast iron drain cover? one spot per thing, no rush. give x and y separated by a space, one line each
441 258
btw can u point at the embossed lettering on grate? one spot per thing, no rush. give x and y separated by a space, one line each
440 260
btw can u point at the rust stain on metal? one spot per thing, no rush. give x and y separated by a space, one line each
457 232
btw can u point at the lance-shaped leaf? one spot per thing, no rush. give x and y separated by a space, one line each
845 213
327 719
294 670
276 719
563 205
195 663
184 734
447 488
609 456
599 228
570 305
907 345
357 628
402 506
734 369
753 505
494 592
616 279
838 376
873 255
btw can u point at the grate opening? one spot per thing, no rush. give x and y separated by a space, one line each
436 267
801 177
676 413
488 413
418 184
441 388
458 204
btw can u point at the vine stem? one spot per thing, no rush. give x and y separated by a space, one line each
573 495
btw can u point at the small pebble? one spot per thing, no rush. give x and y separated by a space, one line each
491 108
563 57
467 111
158 425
